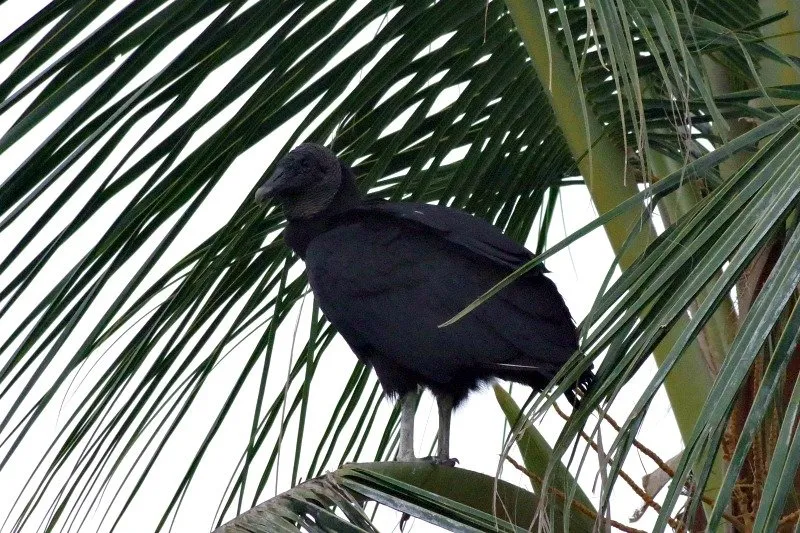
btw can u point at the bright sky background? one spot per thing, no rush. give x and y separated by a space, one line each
477 427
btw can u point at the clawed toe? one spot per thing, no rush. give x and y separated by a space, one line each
441 461
431 459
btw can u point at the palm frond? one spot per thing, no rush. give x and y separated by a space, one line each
127 137
434 494
147 152
723 234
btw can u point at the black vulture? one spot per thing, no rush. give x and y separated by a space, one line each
388 274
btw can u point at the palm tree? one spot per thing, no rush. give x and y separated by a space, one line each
124 120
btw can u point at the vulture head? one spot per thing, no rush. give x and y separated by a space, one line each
305 182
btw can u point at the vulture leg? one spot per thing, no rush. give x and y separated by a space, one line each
445 404
408 409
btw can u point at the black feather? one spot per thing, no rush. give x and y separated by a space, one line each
387 275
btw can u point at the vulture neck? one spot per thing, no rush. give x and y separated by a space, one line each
301 231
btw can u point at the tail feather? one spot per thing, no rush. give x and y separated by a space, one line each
582 386
534 377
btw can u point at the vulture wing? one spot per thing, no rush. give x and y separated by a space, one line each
387 275
473 234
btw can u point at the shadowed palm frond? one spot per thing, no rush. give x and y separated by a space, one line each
142 290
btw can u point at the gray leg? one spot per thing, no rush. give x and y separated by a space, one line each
408 409
445 404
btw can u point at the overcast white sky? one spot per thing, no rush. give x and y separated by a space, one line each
477 426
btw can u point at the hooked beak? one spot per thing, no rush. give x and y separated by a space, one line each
273 186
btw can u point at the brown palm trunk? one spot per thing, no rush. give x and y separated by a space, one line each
747 493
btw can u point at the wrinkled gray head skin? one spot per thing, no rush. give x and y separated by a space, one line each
305 181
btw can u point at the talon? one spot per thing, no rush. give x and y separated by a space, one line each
440 461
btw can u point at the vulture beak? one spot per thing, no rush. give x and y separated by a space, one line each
273 186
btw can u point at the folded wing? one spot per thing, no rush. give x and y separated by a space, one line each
387 275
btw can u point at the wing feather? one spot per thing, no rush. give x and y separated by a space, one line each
387 281
459 228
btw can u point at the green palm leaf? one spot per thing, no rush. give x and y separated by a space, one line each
130 137
176 323
452 498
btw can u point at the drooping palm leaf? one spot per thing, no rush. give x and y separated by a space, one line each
538 455
177 322
426 64
657 321
725 232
